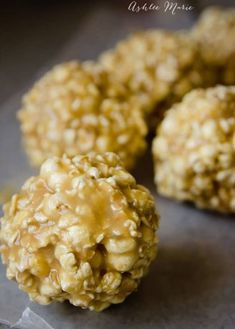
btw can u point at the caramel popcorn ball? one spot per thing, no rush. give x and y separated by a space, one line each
77 108
215 34
159 67
82 231
194 150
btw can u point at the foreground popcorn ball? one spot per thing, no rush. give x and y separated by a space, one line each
159 67
215 34
77 108
82 231
194 150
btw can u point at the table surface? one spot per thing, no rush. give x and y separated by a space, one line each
191 284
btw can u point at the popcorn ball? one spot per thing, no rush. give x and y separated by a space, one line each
159 67
215 34
82 231
194 150
78 108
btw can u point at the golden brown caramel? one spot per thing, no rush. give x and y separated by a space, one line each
78 108
194 150
82 231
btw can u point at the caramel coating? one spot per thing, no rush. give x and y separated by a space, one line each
78 108
194 150
215 34
82 231
159 67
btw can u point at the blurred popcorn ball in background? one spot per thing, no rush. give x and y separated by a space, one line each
215 34
194 150
77 108
160 67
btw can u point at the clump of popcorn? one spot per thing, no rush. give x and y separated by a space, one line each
82 231
194 150
215 34
77 108
159 67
